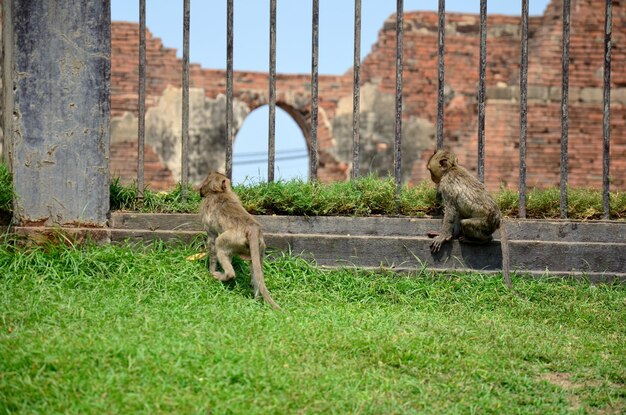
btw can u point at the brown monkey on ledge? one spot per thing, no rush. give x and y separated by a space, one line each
469 211
231 230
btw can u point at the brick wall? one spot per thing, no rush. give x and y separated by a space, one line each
420 91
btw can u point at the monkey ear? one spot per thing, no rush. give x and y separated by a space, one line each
224 185
443 163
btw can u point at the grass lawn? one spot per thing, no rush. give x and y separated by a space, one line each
117 329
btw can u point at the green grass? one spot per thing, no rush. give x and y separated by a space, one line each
6 190
117 329
125 198
367 196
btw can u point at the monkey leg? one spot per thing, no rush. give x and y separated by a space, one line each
226 245
475 231
434 234
453 228
210 243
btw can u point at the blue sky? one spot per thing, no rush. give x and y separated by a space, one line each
293 55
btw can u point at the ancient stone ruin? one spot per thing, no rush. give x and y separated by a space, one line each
207 101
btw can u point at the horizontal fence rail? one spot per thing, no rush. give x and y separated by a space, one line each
313 151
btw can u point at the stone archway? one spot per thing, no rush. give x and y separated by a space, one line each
207 129
250 147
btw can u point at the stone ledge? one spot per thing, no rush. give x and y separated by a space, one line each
594 250
543 230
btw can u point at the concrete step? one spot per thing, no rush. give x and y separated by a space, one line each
535 230
594 249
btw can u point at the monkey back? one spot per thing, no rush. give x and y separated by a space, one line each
464 193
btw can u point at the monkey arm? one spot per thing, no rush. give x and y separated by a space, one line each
450 215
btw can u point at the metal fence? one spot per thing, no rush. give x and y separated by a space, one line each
313 148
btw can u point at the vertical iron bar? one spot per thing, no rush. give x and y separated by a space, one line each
185 150
606 121
314 87
481 90
356 102
271 142
565 107
141 130
440 70
397 159
523 111
229 89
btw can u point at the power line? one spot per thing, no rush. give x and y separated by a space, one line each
264 153
265 160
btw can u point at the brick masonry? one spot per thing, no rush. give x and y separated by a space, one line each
420 101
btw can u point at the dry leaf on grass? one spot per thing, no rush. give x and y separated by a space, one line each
196 257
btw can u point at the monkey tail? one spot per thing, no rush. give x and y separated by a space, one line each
257 266
504 244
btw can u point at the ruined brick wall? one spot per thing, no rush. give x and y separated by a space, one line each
461 77
163 71
502 114
420 98
586 83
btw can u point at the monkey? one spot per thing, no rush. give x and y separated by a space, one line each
231 230
470 212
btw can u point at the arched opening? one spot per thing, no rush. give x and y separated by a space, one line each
250 148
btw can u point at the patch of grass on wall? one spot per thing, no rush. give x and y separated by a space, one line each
366 196
124 197
6 192
582 204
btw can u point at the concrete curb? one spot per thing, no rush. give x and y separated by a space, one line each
594 250
591 249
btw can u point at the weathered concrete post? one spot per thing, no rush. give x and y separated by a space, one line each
57 62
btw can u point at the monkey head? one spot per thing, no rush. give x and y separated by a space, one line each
440 163
214 183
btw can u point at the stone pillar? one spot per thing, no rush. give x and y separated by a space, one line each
57 60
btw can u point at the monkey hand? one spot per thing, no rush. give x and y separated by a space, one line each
432 234
435 246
